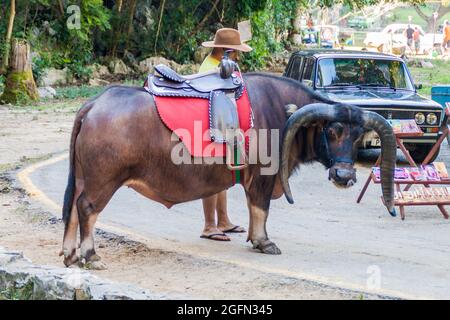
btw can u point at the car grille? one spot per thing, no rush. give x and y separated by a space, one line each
401 115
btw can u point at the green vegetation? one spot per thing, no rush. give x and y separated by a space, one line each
133 30
62 35
428 77
16 292
19 89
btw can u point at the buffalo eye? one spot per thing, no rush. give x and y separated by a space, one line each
335 130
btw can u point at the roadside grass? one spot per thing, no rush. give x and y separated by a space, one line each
74 92
439 74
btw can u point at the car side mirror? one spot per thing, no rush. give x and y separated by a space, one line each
418 86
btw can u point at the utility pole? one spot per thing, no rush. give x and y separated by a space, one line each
435 15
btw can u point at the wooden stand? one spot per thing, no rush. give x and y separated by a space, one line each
409 183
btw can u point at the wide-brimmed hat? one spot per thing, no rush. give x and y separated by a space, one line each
227 38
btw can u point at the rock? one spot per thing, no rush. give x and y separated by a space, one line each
54 77
147 65
118 67
188 69
201 53
297 39
99 71
21 279
426 64
46 92
98 82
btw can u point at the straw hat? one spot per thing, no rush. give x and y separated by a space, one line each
227 38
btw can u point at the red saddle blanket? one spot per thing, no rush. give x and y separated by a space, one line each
188 118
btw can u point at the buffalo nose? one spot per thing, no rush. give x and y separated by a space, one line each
343 174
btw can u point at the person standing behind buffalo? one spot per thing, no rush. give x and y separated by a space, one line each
409 37
416 37
224 39
446 34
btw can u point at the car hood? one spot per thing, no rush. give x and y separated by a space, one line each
380 97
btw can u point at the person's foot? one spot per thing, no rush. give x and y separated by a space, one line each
231 228
214 234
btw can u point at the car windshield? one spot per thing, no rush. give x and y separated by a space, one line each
341 72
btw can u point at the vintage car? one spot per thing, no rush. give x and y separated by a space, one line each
372 81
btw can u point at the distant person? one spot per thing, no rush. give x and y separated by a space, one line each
409 37
310 28
446 33
416 38
310 23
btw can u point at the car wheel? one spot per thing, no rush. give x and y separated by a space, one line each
419 151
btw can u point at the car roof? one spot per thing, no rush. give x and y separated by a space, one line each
319 53
402 25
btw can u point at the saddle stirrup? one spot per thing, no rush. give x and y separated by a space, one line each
236 152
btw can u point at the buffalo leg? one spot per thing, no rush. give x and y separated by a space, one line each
69 249
87 214
257 230
70 239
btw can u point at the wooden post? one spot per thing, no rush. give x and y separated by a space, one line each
20 86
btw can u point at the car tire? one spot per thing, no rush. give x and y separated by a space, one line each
419 151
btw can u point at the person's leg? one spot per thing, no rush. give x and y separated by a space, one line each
210 230
224 222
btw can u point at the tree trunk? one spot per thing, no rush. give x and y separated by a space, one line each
20 86
161 11
441 11
130 22
116 30
12 15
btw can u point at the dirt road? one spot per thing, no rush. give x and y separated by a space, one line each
330 244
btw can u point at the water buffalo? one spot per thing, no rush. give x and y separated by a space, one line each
119 140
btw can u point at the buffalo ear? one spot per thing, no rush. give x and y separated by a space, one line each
290 109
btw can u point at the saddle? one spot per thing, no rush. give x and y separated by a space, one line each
222 88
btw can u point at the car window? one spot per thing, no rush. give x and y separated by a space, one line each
308 72
295 70
343 72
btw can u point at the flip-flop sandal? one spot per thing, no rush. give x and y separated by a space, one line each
211 237
233 230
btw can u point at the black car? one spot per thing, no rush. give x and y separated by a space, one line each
372 81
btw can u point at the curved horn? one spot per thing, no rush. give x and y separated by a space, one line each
307 114
374 121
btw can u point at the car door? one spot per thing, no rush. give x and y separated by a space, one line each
295 68
308 72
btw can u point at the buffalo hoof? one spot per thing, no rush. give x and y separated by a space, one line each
93 263
70 258
267 247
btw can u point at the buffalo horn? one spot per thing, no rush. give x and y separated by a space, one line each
373 121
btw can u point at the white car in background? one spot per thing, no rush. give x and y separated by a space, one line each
392 32
395 33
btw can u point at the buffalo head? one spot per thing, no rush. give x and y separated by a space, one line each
341 127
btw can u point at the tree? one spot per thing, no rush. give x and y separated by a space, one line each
20 86
116 29
442 8
12 15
